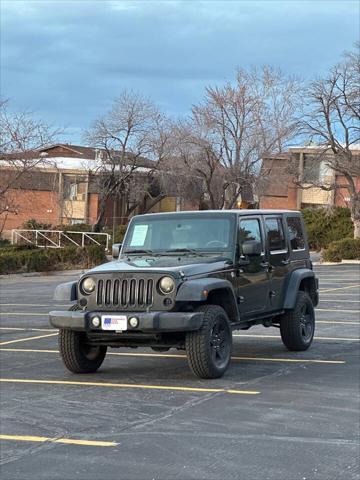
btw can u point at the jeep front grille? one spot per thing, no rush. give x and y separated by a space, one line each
125 292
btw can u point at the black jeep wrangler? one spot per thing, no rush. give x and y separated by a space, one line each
186 280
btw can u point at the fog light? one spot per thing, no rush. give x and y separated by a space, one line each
134 322
96 322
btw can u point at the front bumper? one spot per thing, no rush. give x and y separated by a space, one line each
156 322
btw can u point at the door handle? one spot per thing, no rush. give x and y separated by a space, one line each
267 266
285 262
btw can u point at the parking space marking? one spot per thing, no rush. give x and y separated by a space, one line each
348 339
32 305
338 300
345 294
28 329
28 339
336 310
67 441
129 386
26 314
345 322
177 356
340 288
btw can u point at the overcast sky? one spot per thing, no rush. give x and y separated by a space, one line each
67 60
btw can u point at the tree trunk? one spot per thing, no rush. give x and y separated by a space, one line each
355 214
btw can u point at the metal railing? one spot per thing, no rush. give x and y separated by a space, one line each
59 238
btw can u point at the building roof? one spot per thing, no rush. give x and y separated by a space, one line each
66 150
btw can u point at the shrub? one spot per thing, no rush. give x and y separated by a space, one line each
326 225
345 249
43 259
33 224
118 233
4 243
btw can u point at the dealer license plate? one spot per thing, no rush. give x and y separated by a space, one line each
114 322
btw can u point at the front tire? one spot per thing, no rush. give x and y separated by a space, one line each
209 349
77 355
297 326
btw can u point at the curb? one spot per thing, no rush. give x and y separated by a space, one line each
52 273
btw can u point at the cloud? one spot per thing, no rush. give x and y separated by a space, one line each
69 59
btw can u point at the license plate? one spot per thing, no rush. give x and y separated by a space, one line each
114 322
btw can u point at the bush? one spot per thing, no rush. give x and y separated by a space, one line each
47 259
118 233
4 243
33 224
345 249
326 225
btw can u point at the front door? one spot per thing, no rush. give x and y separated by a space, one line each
252 275
279 264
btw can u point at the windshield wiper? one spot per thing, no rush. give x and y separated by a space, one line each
137 250
185 250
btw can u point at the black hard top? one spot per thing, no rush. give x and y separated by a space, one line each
227 212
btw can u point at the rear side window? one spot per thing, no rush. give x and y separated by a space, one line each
296 234
275 234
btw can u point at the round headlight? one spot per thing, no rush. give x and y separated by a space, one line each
166 285
88 285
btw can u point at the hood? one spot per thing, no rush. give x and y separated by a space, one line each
176 265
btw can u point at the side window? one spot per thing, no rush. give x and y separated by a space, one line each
249 229
296 235
275 234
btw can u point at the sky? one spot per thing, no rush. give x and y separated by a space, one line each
66 61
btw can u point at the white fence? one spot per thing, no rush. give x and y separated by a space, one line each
59 238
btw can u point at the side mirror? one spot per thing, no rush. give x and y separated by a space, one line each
116 250
251 248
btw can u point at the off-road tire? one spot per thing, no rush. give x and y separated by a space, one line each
297 326
203 358
77 356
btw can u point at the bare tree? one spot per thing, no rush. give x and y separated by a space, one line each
21 138
133 137
235 126
332 120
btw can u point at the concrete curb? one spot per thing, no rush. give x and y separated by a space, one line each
63 273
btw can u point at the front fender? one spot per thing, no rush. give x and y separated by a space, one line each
199 289
66 291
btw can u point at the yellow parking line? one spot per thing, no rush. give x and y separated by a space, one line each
129 386
28 339
336 310
28 329
339 300
68 441
169 355
348 339
26 314
341 288
33 305
338 323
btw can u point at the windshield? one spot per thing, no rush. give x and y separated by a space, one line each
188 234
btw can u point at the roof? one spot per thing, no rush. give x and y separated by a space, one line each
220 212
65 150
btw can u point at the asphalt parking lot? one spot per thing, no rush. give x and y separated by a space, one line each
274 415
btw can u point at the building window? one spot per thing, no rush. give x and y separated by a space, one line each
296 234
275 234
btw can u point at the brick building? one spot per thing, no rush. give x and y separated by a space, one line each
279 189
64 190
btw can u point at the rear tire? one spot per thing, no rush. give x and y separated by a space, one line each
209 349
77 355
297 326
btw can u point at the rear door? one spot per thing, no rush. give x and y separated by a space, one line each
252 278
278 257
